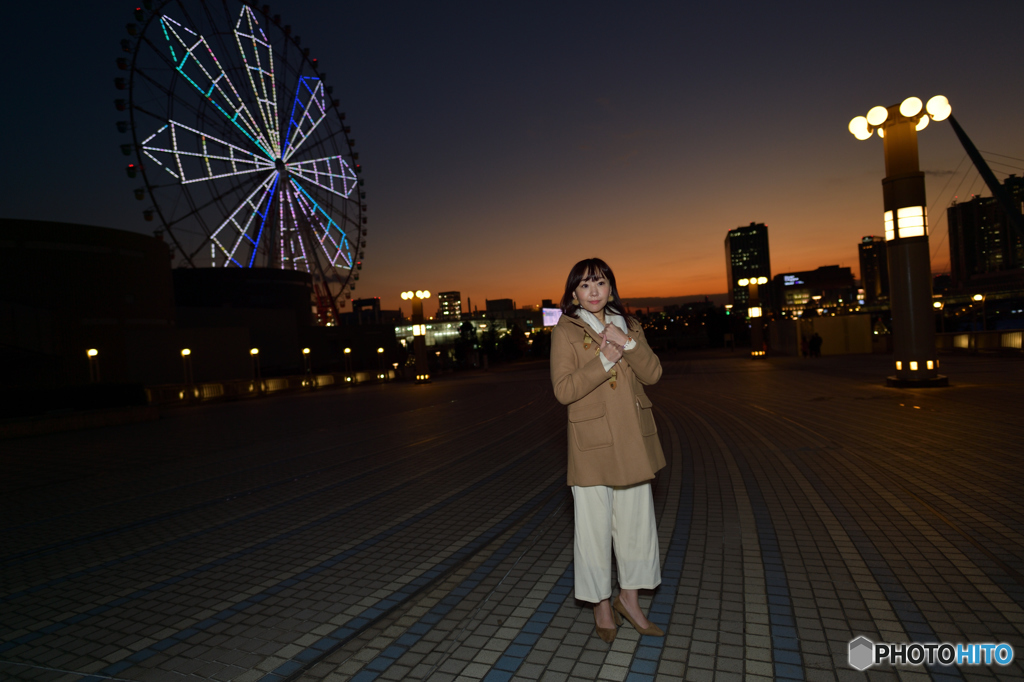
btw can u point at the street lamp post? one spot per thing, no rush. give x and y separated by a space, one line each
94 365
419 333
186 365
756 314
981 298
348 365
306 366
380 363
906 235
942 316
255 353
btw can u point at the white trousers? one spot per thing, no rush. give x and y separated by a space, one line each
623 517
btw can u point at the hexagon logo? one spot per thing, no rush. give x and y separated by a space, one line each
862 653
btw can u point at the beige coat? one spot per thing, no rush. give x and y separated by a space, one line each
612 437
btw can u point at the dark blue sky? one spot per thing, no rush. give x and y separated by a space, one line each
503 142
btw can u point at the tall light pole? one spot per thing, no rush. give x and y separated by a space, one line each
419 333
906 235
756 313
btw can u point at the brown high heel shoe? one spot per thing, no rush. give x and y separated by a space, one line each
607 635
651 630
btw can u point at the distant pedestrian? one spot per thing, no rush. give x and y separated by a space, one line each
600 363
816 345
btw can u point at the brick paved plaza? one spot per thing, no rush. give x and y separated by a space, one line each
425 532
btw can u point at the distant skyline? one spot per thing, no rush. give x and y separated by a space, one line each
502 143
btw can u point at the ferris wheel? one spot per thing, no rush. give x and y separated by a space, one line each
242 151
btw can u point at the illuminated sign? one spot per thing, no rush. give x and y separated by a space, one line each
551 316
790 280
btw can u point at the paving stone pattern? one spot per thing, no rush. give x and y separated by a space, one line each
403 532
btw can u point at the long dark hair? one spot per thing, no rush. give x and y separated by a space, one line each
593 269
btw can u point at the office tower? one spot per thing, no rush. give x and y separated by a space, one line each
449 305
874 269
983 250
829 286
746 256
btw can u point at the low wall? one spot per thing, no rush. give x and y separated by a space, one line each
841 335
169 395
975 342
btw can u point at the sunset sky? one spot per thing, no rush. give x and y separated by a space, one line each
503 142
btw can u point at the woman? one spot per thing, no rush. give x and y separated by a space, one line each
600 363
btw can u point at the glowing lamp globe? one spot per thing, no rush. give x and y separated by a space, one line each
859 128
877 115
911 107
938 108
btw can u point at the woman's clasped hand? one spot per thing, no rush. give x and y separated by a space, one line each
609 348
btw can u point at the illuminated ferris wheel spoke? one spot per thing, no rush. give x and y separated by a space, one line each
324 227
196 61
198 157
263 220
283 241
308 110
256 205
259 65
289 219
187 104
331 173
297 235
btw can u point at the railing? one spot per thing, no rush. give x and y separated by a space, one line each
182 394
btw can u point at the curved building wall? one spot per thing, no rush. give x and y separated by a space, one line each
65 288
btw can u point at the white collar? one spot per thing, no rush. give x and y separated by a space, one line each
596 325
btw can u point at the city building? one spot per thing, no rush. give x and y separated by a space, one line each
874 269
368 311
500 305
830 286
984 254
746 256
449 306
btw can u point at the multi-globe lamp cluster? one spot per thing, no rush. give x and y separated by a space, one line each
938 109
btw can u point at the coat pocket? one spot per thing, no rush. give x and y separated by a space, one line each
589 426
646 415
